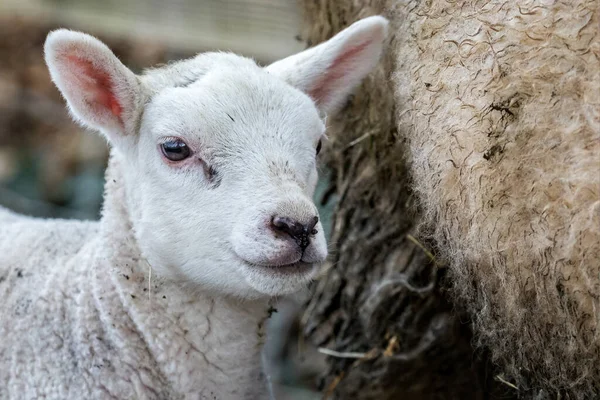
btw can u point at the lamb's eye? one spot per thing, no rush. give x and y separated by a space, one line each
319 147
175 150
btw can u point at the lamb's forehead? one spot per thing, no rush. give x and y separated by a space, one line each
185 72
220 89
222 74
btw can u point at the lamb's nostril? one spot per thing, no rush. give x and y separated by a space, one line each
311 226
288 225
299 232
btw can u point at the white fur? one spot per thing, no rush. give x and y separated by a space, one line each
165 297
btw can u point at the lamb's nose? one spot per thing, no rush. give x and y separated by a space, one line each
301 233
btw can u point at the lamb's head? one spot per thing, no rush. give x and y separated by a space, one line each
218 154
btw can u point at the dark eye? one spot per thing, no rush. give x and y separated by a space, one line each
319 147
175 150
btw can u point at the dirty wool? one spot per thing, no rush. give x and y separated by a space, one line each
499 104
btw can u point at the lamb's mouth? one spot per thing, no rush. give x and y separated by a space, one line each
299 267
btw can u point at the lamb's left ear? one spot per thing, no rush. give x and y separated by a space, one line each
331 70
101 92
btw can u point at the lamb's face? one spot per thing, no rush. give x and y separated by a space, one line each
226 168
219 155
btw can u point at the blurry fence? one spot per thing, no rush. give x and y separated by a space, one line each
264 29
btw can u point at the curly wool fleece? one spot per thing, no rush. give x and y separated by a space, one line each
81 318
500 105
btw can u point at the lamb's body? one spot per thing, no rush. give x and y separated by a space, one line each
79 322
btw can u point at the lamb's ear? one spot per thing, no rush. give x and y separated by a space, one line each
331 70
101 92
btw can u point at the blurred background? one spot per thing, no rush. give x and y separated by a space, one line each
50 167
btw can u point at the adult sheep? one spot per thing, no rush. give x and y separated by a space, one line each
207 215
495 108
499 104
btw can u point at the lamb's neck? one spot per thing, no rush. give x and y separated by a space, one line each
197 340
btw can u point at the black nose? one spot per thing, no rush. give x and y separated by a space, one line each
299 232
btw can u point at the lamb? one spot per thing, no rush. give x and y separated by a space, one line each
207 217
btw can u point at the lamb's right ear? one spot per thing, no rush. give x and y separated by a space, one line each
330 71
101 92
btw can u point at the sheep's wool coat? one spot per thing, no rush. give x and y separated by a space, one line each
499 104
83 319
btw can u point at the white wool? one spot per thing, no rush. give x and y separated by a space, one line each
166 296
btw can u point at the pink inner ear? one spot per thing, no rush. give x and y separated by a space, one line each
325 85
97 84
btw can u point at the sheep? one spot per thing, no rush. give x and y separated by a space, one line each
498 104
497 130
207 217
